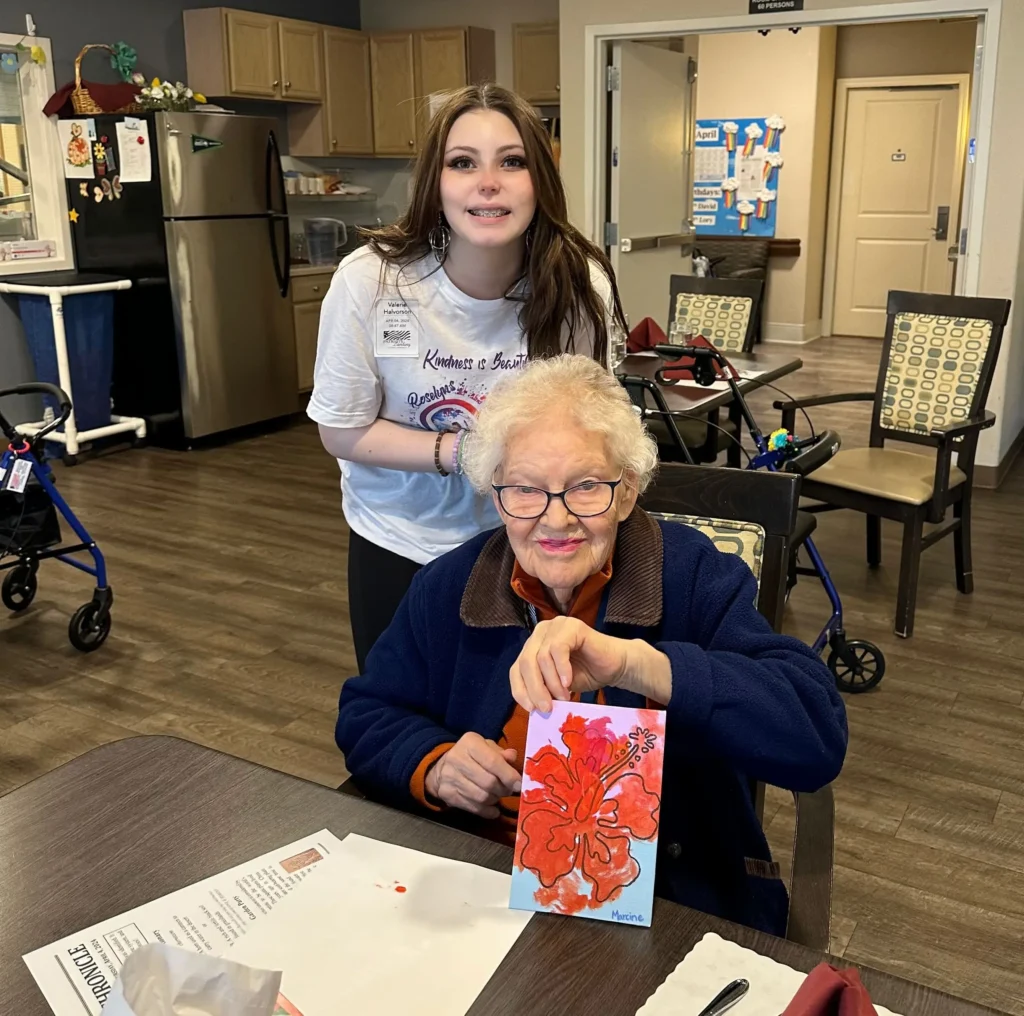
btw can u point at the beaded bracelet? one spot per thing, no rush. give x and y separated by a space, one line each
437 453
455 452
460 445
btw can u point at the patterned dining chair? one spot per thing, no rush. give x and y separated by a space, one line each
754 515
724 311
937 361
741 257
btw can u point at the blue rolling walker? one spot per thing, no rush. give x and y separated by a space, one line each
29 528
856 664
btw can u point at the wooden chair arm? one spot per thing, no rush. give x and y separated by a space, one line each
958 430
810 897
789 407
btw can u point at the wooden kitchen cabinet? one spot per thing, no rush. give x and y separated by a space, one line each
307 327
343 125
393 83
301 48
252 53
233 53
450 58
406 68
349 102
308 292
535 62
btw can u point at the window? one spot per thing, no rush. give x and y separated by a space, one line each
34 228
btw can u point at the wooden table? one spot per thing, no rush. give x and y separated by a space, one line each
690 398
136 819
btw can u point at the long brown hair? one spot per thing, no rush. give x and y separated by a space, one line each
558 290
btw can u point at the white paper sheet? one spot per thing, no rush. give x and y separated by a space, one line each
712 964
75 139
134 149
388 931
710 164
76 974
749 171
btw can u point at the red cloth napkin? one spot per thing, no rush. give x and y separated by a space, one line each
646 335
831 992
108 97
679 370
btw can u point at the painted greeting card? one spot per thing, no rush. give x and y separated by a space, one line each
589 812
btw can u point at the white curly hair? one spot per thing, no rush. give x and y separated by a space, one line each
587 391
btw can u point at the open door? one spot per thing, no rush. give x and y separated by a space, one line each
650 235
962 285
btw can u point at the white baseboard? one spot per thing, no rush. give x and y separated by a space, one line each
791 334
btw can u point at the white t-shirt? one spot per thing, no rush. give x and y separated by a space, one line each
416 350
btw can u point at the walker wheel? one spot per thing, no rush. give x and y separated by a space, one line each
86 630
856 665
19 588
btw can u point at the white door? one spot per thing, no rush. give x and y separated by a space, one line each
650 178
899 201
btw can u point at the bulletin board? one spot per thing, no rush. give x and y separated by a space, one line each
737 165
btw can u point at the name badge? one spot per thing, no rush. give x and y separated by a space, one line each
397 330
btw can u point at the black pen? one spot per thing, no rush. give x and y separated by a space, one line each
726 998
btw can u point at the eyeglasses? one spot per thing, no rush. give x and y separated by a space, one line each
584 500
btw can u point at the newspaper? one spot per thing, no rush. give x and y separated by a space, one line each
77 973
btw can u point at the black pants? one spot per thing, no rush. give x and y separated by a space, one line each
377 581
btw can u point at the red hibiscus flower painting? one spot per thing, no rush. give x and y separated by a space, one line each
591 790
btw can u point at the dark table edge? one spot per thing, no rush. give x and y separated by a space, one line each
747 386
724 927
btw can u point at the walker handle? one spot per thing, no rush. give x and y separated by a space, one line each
36 388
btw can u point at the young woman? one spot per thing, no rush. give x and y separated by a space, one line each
483 272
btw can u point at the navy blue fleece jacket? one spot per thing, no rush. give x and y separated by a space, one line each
747 704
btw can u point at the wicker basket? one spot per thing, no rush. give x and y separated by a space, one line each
81 100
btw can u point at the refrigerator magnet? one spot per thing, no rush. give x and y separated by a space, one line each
397 331
76 149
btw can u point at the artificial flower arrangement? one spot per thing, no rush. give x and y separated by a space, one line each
163 95
9 61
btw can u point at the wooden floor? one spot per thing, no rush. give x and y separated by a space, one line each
231 629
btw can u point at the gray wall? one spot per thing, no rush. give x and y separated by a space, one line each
153 27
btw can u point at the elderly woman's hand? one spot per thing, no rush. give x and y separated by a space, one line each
566 656
473 774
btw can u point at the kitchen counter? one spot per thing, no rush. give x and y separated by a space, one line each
299 270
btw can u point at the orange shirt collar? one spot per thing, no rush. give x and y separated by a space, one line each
588 597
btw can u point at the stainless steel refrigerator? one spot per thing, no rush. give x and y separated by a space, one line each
205 343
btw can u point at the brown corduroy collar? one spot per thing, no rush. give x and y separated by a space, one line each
634 593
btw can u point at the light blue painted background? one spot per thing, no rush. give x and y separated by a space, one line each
637 898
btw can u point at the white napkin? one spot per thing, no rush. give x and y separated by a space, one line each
710 965
162 980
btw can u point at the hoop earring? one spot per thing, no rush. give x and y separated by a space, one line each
440 238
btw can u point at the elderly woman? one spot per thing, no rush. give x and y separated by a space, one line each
583 595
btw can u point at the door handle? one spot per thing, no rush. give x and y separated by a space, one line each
941 227
636 243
